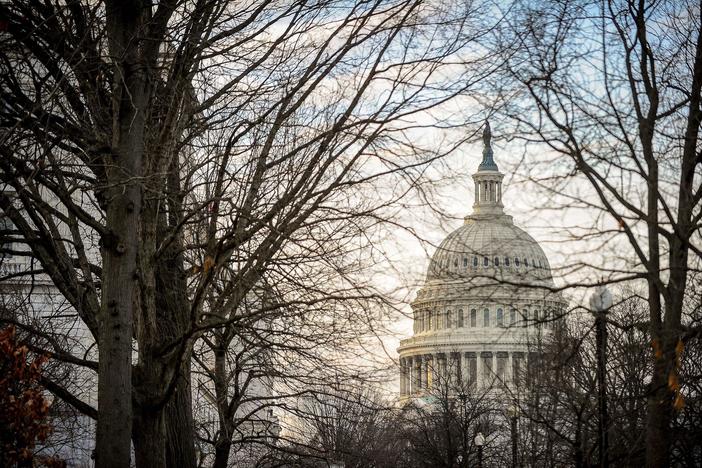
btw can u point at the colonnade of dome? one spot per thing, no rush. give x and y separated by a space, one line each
472 370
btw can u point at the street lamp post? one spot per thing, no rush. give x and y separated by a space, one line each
479 442
513 412
464 427
600 302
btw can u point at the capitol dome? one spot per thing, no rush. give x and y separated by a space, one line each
492 246
488 296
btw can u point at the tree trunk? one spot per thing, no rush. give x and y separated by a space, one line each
223 443
222 450
174 322
164 435
659 418
115 349
119 247
150 438
579 458
180 449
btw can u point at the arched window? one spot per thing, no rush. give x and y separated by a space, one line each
506 261
455 263
525 317
475 261
486 317
516 262
526 263
486 262
500 318
448 319
497 261
473 318
465 262
512 317
460 318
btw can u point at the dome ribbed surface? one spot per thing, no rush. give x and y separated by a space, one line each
489 246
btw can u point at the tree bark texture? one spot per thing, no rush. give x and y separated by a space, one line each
180 449
120 245
149 440
222 451
163 381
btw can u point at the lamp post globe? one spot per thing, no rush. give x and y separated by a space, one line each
601 299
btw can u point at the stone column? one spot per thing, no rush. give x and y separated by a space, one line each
443 374
403 377
517 360
455 369
510 368
487 358
404 373
431 371
502 371
479 371
417 384
465 370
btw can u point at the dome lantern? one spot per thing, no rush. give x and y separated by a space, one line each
488 181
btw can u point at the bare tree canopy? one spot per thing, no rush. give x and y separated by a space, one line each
611 93
161 160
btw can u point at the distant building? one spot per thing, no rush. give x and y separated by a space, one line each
28 296
487 297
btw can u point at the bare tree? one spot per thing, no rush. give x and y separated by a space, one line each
352 425
558 415
204 146
440 426
612 89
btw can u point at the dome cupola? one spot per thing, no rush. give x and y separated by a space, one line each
488 181
489 244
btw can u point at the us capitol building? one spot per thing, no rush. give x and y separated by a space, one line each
486 301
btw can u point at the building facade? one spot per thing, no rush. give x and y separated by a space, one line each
487 300
29 297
